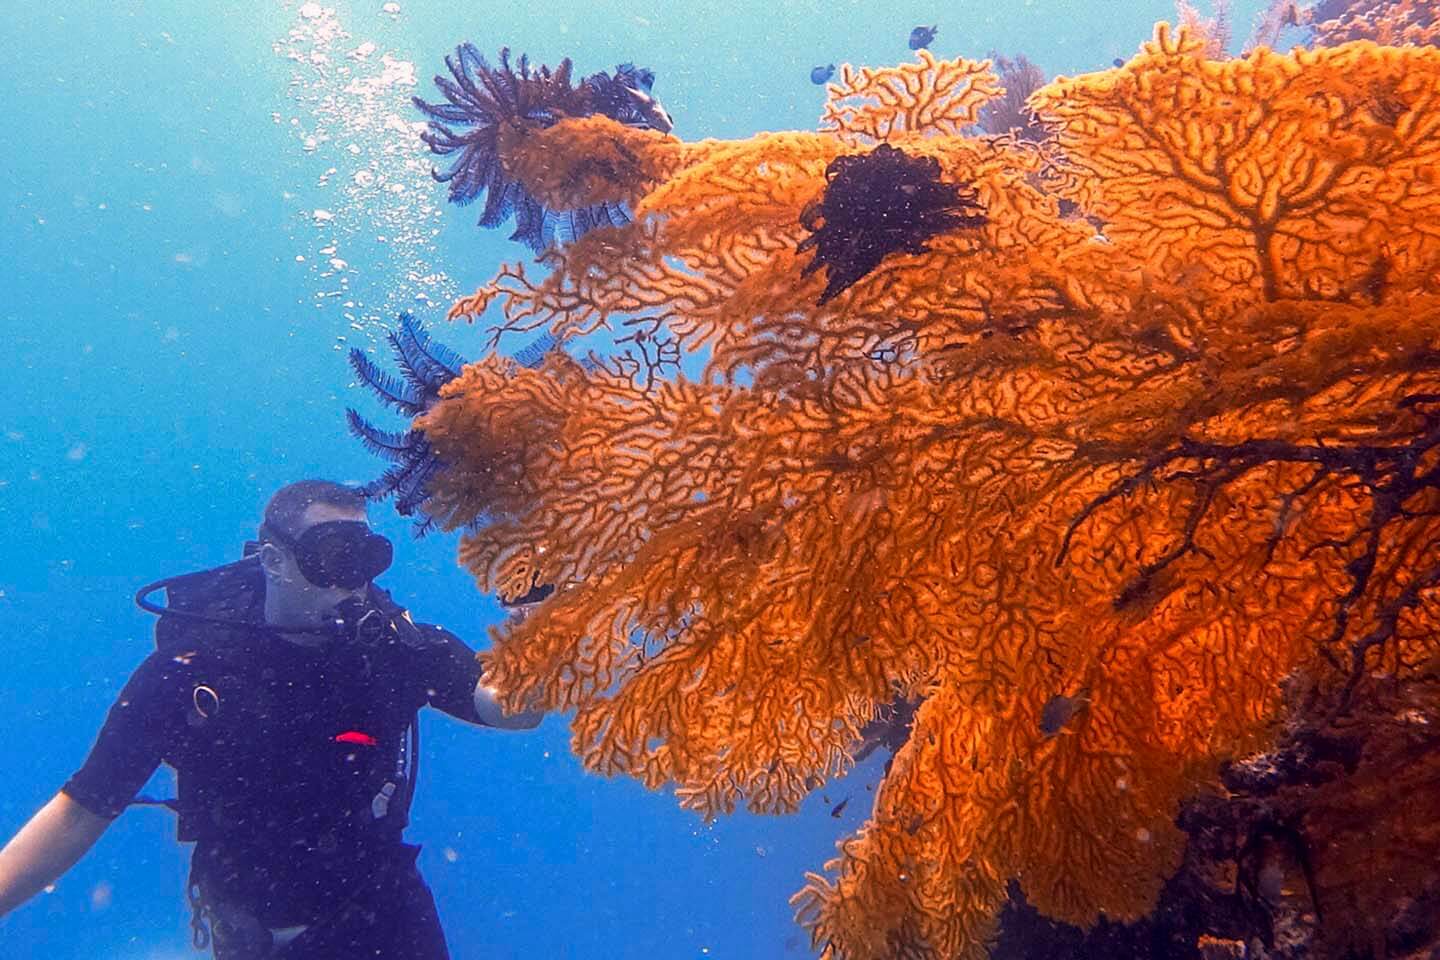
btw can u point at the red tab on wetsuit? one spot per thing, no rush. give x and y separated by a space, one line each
356 736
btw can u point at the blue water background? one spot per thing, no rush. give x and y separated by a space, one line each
166 367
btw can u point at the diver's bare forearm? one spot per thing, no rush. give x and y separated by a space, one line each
49 844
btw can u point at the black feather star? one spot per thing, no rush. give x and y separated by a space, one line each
876 204
480 99
425 367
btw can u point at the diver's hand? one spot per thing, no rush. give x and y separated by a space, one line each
487 706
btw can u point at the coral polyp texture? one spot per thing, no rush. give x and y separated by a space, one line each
1086 494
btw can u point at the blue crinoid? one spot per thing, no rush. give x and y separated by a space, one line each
480 98
425 367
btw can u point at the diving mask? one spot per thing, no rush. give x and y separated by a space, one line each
338 553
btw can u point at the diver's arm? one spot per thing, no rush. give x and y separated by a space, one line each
491 714
453 682
54 839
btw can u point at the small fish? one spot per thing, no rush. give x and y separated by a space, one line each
637 82
839 808
650 108
357 737
821 75
1059 710
921 37
1118 62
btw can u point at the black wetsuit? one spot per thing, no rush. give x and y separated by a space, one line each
295 771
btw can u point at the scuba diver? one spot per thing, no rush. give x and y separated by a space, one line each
284 691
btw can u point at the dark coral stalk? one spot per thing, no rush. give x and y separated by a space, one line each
880 203
480 99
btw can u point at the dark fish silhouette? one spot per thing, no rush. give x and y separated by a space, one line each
839 808
1118 62
1059 710
626 97
821 75
921 37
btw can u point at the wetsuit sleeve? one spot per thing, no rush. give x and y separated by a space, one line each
449 671
130 745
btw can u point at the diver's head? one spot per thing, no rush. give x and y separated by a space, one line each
317 551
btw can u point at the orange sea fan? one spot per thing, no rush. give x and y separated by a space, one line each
1144 474
1298 173
716 243
607 161
929 96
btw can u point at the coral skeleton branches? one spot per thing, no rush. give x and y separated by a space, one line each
1153 430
